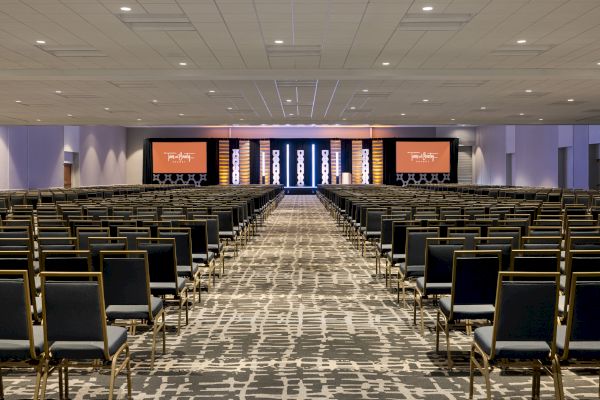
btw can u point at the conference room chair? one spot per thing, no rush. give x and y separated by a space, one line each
397 255
123 212
541 242
76 333
127 294
578 341
66 261
384 244
23 260
186 268
535 260
226 228
201 255
214 242
577 261
98 244
472 293
507 231
414 264
524 328
131 233
164 280
21 342
84 233
113 224
468 233
56 243
96 212
51 222
372 228
437 277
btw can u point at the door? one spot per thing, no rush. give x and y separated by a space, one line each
68 169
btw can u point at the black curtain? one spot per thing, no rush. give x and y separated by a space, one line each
454 160
212 162
255 161
147 167
368 145
346 156
389 161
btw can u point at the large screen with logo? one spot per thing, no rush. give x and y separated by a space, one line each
422 157
179 157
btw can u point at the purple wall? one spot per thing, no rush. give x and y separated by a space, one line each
102 155
536 155
490 155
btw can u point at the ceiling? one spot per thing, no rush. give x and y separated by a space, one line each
457 64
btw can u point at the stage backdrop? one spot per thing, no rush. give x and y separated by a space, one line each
300 162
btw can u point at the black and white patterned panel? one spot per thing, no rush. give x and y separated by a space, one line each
404 178
180 179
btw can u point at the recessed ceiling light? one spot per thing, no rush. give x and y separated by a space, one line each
211 91
365 90
58 91
528 91
540 119
278 41
521 114
288 100
40 41
427 8
403 114
106 108
38 120
241 119
452 119
69 115
484 108
343 119
598 63
125 8
353 108
181 114
18 101
139 119
521 41
183 64
386 63
570 100
291 114
230 108
425 100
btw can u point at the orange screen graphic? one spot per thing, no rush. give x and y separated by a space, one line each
179 157
422 157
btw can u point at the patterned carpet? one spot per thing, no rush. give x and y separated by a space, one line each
299 316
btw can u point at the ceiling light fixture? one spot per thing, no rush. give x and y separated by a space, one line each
386 63
40 41
353 108
211 91
521 114
528 91
125 9
278 41
570 100
452 119
241 119
106 108
230 108
69 115
365 90
18 101
521 41
403 114
288 100
540 119
38 120
181 114
183 64
427 8
139 119
155 101
58 91
291 114
483 108
425 100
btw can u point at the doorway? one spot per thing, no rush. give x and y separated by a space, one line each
68 175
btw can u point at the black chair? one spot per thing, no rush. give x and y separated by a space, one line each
98 244
164 280
524 329
414 265
22 260
504 244
578 342
397 255
21 342
535 260
127 293
183 248
132 233
437 278
577 261
84 233
472 294
201 255
372 229
226 228
76 333
66 261
469 233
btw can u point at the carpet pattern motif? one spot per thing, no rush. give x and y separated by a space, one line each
299 315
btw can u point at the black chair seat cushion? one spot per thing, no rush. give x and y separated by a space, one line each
466 311
90 350
131 311
434 287
216 248
187 271
203 258
519 350
227 234
395 258
384 248
373 234
412 270
578 349
17 350
160 288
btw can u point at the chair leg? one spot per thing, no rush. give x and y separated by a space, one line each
46 371
66 380
535 383
471 369
559 393
486 375
155 328
422 316
39 371
448 352
437 332
60 384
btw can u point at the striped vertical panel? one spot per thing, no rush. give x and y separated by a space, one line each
244 162
335 146
223 162
357 162
377 161
265 148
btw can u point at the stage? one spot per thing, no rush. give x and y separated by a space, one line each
300 190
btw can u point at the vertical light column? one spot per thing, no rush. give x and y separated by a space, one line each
335 155
312 163
377 161
287 165
223 162
244 162
265 148
356 162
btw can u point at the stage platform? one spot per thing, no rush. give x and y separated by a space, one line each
300 190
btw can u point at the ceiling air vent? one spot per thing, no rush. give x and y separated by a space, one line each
157 22
293 51
526 95
520 50
433 22
372 95
72 51
133 84
226 96
463 84
295 84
